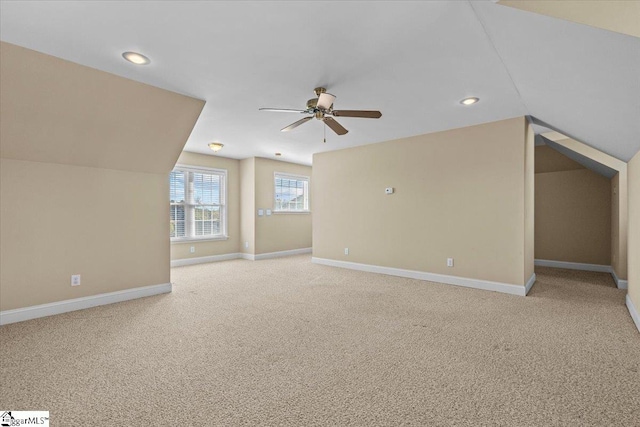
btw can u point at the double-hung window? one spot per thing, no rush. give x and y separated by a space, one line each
197 198
291 193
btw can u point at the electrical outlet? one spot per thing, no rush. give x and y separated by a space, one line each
192 249
449 262
346 251
246 245
75 280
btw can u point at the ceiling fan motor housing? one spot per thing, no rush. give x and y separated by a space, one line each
312 103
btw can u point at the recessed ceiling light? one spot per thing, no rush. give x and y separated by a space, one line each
136 58
278 154
469 101
216 146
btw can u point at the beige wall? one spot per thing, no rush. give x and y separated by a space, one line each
279 231
458 193
56 111
215 247
57 220
529 203
248 205
615 224
620 224
250 187
573 211
573 217
634 230
84 161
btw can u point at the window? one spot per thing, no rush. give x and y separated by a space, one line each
291 193
197 203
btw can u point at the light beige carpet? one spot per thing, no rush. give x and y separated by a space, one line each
286 342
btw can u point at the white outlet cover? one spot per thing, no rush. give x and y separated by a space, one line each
268 212
260 212
449 262
75 280
346 251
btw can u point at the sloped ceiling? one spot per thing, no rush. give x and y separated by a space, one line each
581 80
412 60
59 112
580 159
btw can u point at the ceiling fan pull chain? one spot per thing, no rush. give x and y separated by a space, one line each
324 129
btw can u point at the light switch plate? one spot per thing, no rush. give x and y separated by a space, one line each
268 212
260 212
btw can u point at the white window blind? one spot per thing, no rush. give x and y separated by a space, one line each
177 201
197 201
291 193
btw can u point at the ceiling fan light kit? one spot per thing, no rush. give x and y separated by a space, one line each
216 146
322 109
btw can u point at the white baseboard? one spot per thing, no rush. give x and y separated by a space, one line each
270 255
573 265
634 312
250 257
530 283
620 283
204 259
43 310
431 277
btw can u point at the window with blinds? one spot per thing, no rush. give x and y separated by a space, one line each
291 193
197 203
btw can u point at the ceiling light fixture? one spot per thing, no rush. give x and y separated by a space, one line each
216 146
136 58
469 101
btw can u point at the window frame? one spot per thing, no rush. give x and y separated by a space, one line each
285 175
189 206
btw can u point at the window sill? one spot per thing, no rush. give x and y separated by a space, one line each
291 212
199 239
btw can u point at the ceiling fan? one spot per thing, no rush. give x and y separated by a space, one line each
322 109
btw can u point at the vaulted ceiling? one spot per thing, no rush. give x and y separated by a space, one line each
414 61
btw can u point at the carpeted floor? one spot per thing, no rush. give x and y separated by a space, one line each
286 342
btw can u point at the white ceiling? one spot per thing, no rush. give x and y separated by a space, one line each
580 80
414 61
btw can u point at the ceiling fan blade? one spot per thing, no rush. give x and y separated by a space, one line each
296 124
357 113
282 110
325 101
335 126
